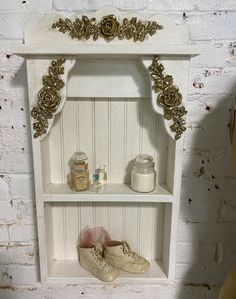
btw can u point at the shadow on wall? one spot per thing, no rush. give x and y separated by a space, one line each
207 228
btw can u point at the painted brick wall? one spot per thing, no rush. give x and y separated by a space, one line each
207 223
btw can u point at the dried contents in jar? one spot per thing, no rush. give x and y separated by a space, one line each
79 172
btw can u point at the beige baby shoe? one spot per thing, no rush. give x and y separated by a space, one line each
91 259
119 255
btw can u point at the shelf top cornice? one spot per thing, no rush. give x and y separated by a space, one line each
169 39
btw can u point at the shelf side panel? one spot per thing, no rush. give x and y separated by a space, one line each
49 236
45 156
162 151
170 179
167 238
56 152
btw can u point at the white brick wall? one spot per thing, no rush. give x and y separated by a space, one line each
207 224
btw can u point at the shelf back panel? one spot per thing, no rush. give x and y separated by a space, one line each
108 78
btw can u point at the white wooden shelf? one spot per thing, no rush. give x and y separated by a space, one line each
109 110
70 271
111 193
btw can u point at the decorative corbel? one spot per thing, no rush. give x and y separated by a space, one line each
51 97
169 99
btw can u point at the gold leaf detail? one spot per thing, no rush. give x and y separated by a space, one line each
108 28
48 97
169 97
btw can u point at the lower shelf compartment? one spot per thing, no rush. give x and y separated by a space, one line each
70 271
145 226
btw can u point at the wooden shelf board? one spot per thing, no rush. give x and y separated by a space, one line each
114 49
70 271
111 193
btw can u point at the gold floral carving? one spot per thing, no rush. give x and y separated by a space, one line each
108 28
48 97
168 97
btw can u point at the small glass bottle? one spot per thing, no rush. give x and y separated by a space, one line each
79 172
101 175
143 175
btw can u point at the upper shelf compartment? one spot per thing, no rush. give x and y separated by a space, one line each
111 132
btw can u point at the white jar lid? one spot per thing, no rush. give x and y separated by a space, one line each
143 159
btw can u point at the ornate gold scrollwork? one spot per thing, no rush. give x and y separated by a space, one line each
108 28
169 97
48 97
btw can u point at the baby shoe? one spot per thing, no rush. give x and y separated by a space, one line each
92 260
119 255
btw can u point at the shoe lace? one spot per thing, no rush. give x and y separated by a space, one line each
97 254
127 250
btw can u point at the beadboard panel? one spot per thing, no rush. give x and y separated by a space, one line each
111 132
141 224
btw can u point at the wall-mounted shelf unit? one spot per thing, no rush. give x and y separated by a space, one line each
109 110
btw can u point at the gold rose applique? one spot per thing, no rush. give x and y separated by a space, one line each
168 97
108 28
48 97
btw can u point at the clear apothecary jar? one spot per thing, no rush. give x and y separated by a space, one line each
79 172
143 175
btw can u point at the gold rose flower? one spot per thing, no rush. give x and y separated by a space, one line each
170 97
108 27
48 99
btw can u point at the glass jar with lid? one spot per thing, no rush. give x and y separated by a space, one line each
79 172
143 175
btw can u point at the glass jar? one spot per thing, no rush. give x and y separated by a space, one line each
79 172
143 175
